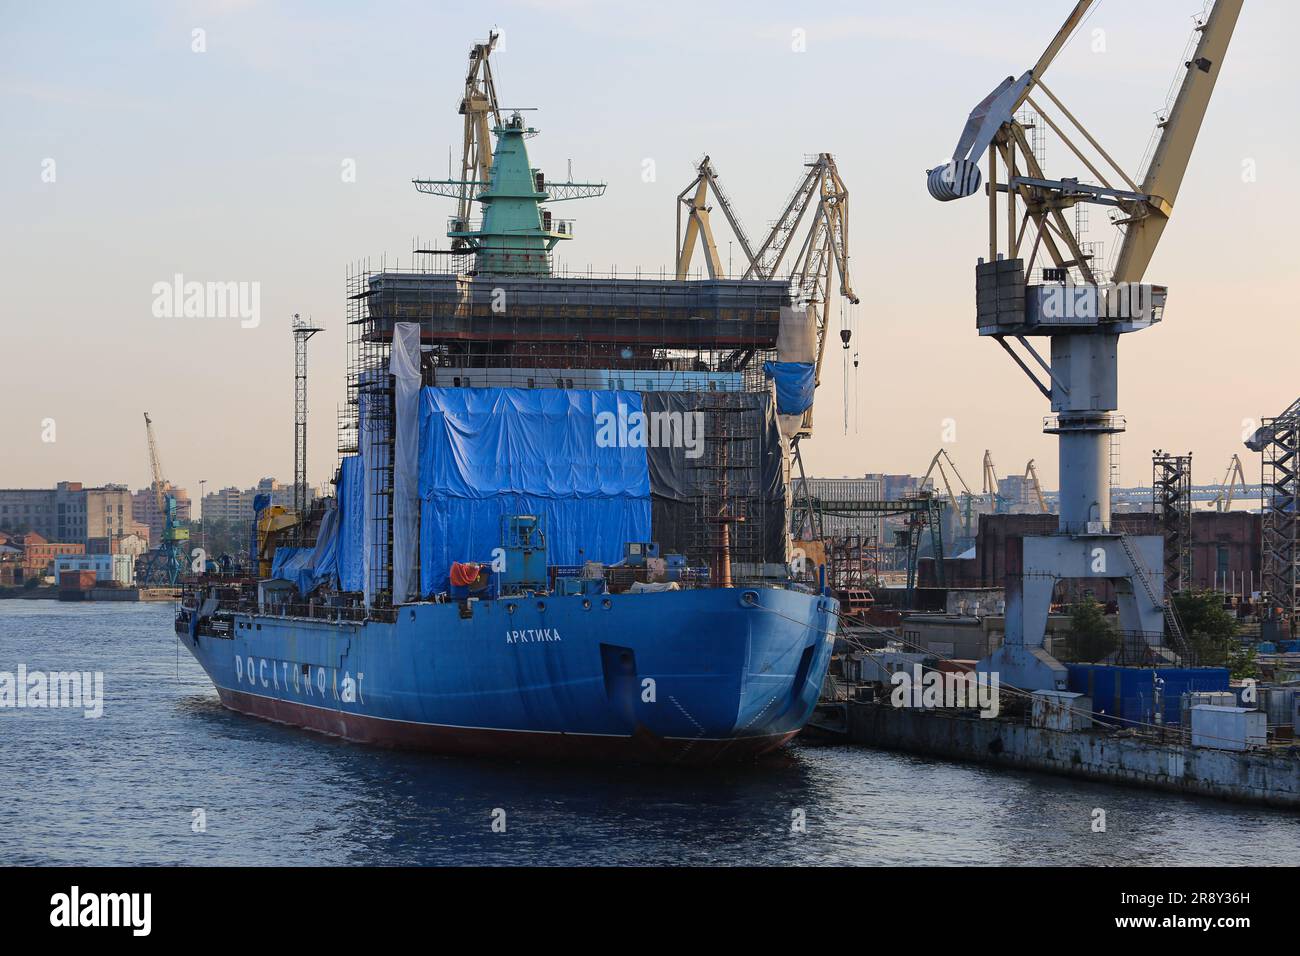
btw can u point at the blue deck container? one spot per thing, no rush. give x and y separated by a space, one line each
1127 695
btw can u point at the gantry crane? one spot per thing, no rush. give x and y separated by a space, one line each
808 263
165 564
478 103
1082 320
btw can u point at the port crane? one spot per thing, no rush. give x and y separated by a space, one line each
821 197
1082 319
1031 475
164 565
991 483
961 511
1233 478
694 201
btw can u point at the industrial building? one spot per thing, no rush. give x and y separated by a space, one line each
1225 551
69 511
114 569
38 554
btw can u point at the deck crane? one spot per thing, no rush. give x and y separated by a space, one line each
478 103
1082 319
166 564
1233 478
808 263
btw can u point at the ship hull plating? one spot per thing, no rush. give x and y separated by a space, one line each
692 677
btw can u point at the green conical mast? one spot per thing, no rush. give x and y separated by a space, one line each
516 235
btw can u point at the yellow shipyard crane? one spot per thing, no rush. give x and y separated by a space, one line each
477 106
1069 303
1031 475
820 203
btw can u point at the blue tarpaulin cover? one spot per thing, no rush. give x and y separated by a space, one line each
795 385
489 452
351 495
296 565
325 556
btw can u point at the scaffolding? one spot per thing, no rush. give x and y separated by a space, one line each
1279 444
729 517
1171 501
368 427
596 330
585 331
852 561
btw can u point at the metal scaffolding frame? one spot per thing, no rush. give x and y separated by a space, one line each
729 517
1278 441
625 332
1171 502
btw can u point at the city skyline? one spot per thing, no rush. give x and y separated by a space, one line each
236 169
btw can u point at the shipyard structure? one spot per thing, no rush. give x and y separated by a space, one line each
561 515
1078 642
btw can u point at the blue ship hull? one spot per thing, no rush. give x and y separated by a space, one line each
690 676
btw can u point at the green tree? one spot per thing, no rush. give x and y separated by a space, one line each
1091 636
1242 663
1210 629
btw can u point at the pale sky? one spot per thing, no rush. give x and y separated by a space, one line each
226 165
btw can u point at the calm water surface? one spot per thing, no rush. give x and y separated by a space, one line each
122 789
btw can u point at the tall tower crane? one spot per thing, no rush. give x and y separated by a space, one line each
477 105
1082 320
166 563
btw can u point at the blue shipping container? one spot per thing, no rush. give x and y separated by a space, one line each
1127 695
